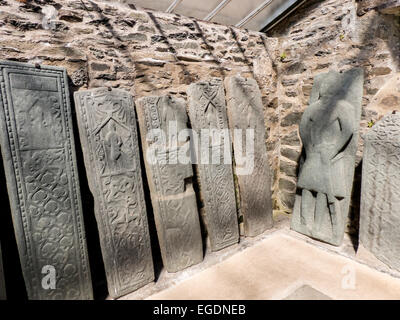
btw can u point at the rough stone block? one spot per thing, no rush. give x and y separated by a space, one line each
107 127
207 110
245 111
380 191
329 132
170 181
42 180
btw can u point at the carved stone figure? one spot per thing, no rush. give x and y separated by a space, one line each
380 191
170 181
3 295
245 112
42 181
107 126
207 111
329 132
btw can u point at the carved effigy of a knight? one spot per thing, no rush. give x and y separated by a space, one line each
329 133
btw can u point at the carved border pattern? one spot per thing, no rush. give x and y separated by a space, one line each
15 182
380 192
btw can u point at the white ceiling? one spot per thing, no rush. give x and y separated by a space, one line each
249 14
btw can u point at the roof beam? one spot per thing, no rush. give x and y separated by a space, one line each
217 9
252 14
173 5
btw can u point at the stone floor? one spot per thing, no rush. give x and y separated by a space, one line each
280 264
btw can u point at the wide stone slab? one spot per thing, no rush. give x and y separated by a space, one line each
42 180
380 191
207 111
174 201
107 127
3 295
329 132
246 119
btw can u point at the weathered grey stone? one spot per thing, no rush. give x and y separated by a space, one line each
291 93
3 295
172 194
245 111
107 127
295 68
287 167
380 191
42 179
69 15
390 7
207 110
291 139
289 82
329 132
79 77
140 37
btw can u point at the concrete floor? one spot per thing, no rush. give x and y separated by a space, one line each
280 265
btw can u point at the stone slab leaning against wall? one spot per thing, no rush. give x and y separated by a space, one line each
170 181
329 132
245 112
380 191
108 133
42 181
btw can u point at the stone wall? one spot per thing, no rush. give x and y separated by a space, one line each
326 35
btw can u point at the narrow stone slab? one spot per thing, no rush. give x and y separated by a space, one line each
245 112
107 127
329 132
3 295
170 181
42 180
207 111
380 191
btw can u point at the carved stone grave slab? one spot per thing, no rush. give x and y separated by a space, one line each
329 132
207 111
170 181
380 191
107 127
3 295
245 113
42 181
